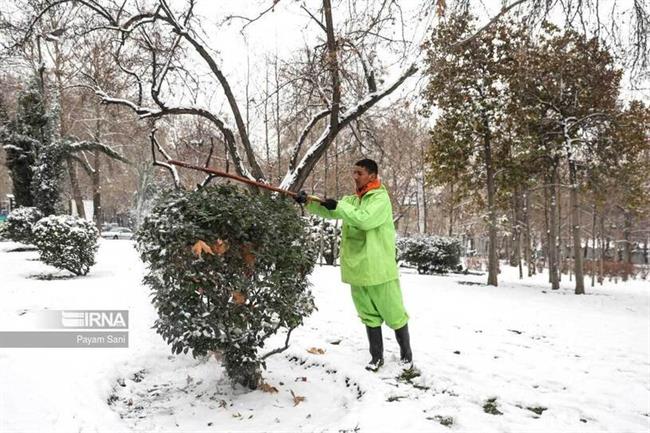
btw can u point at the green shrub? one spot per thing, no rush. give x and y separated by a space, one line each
430 254
227 269
66 242
20 224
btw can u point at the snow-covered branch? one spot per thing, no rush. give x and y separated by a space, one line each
303 136
155 146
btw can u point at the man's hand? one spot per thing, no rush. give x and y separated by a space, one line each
329 204
301 197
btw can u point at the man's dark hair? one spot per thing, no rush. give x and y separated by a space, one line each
369 165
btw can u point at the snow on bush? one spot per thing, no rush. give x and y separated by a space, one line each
3 231
20 223
66 242
227 269
429 254
326 238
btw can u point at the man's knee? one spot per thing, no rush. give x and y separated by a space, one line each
398 321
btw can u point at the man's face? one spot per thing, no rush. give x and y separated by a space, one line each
361 176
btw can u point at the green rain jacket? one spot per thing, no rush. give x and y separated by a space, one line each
367 237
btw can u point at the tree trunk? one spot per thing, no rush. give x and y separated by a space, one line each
627 253
601 264
552 246
493 265
526 235
576 230
593 244
560 253
96 174
76 191
451 209
97 192
546 240
422 216
266 120
277 121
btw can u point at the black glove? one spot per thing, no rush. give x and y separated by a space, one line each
329 204
301 197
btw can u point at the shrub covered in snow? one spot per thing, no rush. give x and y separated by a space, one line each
326 238
430 254
67 242
228 269
20 223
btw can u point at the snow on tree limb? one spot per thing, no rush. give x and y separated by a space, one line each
296 177
156 146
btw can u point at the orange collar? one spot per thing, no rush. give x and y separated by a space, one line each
374 184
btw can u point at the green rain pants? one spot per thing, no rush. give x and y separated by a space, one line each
380 303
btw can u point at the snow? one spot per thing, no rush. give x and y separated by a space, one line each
584 358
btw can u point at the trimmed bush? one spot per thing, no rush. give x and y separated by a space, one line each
430 254
20 223
227 269
326 238
66 242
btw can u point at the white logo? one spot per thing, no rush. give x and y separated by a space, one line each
93 319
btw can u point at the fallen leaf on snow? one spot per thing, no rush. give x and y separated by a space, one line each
297 399
268 388
316 350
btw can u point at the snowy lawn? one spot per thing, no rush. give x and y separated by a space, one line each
517 358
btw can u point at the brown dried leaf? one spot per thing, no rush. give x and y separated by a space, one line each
297 399
220 247
268 388
201 247
247 254
238 297
316 351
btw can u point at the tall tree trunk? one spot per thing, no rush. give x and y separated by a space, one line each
515 258
546 239
98 214
266 119
627 250
593 244
526 235
422 216
601 264
96 174
423 205
552 247
493 265
560 251
576 229
277 120
451 209
76 191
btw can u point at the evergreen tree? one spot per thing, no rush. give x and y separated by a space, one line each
466 82
23 137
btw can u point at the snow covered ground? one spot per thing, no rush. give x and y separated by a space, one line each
517 358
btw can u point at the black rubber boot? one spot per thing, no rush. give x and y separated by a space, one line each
376 348
404 341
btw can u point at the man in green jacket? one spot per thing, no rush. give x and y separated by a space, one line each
368 261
